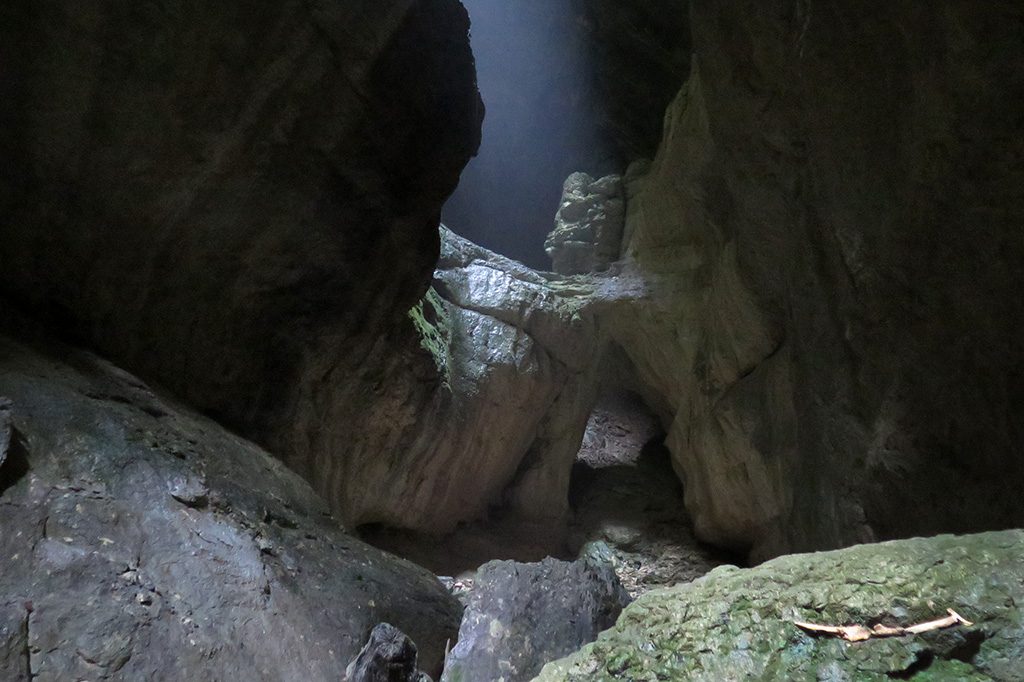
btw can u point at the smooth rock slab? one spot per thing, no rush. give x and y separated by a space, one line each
522 615
737 624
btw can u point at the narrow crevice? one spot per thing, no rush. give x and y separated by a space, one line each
27 634
922 662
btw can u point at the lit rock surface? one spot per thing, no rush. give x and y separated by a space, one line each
486 408
140 541
736 624
520 616
588 225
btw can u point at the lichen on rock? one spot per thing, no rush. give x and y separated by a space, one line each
433 324
738 623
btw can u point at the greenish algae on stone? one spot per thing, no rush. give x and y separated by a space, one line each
737 624
433 323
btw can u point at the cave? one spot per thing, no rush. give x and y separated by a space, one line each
626 502
475 341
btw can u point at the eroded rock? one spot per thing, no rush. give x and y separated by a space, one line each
588 226
521 616
738 623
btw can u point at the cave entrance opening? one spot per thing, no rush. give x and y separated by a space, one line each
545 119
627 503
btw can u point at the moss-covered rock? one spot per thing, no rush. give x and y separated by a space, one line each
736 624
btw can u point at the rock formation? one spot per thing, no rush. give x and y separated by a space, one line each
827 241
588 226
389 656
142 541
520 616
738 624
498 426
237 200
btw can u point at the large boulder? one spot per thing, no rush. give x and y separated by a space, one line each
520 616
484 407
142 541
739 624
236 199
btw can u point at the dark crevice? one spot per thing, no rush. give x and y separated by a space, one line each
15 466
969 647
921 663
26 633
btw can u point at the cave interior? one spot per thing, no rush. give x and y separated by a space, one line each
488 341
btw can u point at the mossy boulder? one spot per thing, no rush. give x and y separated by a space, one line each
737 624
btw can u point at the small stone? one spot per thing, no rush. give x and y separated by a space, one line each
189 490
389 656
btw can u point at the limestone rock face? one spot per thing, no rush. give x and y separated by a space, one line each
588 226
738 624
521 616
485 406
235 199
827 241
141 541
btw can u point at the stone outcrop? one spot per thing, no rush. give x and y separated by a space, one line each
827 240
521 616
738 624
588 226
486 408
238 200
142 541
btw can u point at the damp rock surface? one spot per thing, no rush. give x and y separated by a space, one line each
737 623
520 616
141 541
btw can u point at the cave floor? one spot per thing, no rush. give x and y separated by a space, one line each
626 506
627 502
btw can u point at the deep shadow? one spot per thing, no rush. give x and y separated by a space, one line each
15 466
627 503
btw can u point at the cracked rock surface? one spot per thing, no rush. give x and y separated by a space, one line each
141 541
737 623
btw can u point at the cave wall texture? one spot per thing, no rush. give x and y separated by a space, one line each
831 236
237 201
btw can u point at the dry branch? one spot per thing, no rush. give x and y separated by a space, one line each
859 633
